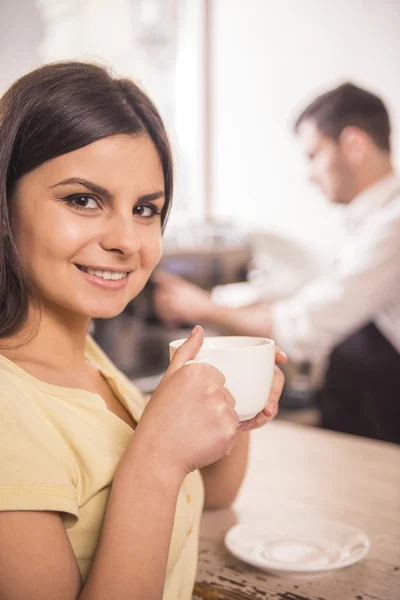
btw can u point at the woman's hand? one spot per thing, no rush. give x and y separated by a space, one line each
190 420
272 406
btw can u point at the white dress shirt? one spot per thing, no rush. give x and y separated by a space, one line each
361 286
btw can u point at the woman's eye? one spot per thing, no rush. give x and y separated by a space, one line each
145 210
82 202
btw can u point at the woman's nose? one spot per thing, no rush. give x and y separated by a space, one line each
122 235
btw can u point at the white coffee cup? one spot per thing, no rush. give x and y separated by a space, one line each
247 364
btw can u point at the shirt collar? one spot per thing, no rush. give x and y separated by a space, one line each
372 198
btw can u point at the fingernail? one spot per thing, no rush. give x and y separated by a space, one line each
282 353
194 331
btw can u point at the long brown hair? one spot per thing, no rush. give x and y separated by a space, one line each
53 110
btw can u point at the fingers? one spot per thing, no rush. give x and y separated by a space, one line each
280 356
276 390
187 351
272 407
229 398
258 421
211 372
277 384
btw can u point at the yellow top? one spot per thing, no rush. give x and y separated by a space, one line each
59 450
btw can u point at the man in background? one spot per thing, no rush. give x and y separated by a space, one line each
351 313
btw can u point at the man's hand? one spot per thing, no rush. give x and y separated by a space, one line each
177 300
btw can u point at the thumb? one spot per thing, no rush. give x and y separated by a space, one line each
187 351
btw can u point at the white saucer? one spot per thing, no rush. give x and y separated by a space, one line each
298 549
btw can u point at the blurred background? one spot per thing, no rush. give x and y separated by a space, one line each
229 78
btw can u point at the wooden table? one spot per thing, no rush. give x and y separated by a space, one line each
304 472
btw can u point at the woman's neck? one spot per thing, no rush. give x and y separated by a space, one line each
53 340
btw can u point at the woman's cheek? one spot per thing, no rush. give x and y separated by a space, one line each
152 250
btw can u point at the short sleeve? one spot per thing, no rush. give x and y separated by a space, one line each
35 471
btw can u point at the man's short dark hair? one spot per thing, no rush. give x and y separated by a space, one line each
349 105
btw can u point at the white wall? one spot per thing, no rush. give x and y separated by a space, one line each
188 137
21 31
37 31
269 59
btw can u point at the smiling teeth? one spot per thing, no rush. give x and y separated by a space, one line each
106 274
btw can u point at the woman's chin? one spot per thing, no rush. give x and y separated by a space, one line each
105 312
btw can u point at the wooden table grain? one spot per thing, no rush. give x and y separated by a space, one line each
302 472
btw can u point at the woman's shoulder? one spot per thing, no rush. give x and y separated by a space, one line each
27 417
20 407
24 399
13 388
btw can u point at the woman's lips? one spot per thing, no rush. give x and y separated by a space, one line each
105 284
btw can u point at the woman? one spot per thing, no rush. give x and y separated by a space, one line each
86 187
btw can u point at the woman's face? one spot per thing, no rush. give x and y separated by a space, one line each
87 225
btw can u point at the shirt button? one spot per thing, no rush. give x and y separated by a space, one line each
188 498
190 529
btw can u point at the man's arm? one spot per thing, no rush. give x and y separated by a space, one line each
253 320
364 280
178 300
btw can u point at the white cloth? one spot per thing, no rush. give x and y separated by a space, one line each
362 284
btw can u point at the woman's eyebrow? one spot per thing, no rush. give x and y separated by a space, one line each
101 191
94 187
150 197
